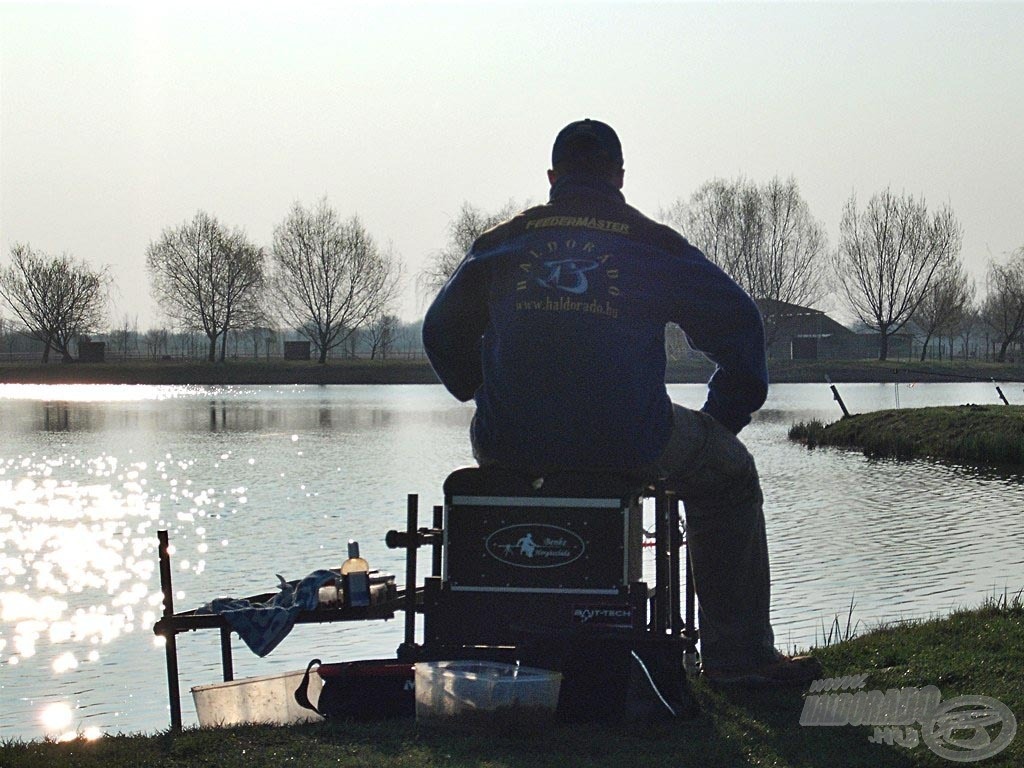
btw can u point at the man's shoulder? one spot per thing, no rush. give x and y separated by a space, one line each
618 219
503 231
658 234
610 217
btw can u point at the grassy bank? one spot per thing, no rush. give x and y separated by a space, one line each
800 371
979 652
992 435
278 371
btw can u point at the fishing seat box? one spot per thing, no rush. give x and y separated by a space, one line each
523 555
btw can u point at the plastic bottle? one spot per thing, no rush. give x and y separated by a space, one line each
356 574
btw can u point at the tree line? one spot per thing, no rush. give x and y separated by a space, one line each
896 261
893 253
325 277
329 279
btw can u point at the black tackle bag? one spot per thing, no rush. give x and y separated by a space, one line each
611 676
361 690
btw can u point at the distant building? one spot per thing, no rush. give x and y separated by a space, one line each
91 351
296 350
803 333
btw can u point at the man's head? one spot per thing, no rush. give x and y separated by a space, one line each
587 146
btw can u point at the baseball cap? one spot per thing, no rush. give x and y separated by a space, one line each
586 140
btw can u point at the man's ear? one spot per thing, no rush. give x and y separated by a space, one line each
552 177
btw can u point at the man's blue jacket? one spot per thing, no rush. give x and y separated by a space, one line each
555 324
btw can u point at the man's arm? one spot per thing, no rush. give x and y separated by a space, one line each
452 329
724 323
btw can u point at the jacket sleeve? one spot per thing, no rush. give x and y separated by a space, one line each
724 323
453 326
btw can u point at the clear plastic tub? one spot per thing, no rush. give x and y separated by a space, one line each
269 699
446 688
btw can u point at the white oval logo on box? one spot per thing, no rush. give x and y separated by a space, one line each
534 546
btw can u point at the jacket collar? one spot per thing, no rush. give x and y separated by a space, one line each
574 184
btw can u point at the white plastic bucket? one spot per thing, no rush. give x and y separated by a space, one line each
269 699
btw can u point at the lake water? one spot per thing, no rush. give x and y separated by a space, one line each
258 481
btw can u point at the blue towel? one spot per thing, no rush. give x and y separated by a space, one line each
263 625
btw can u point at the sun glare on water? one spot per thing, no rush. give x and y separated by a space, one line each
88 393
78 560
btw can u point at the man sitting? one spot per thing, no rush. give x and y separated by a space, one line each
555 324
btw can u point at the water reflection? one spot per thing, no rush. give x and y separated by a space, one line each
213 416
56 417
324 420
252 482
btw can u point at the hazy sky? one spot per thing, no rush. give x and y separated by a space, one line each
120 119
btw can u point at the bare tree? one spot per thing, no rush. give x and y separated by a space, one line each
207 278
763 236
967 326
125 335
351 345
889 256
57 298
6 335
254 334
793 247
944 304
381 333
242 280
721 218
409 340
463 230
155 340
330 277
1003 308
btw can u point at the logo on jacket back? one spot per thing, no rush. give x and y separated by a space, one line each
534 546
582 278
569 275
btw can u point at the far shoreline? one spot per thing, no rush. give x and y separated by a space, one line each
248 371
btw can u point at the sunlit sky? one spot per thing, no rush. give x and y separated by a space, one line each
120 119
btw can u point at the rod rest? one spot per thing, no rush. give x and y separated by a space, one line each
423 537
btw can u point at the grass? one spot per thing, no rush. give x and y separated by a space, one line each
837 633
971 652
974 434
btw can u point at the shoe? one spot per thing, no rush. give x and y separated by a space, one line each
783 672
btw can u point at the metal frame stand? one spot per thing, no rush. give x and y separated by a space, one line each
667 602
665 618
171 624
